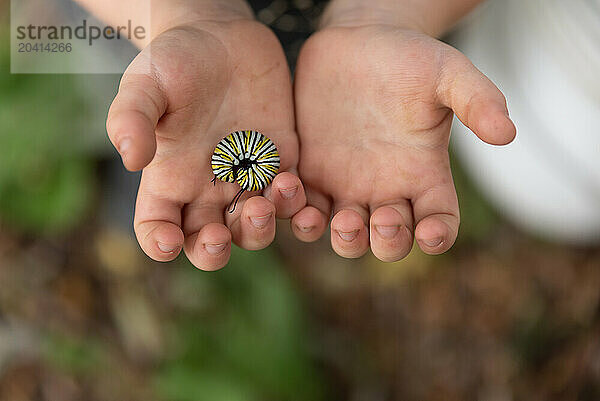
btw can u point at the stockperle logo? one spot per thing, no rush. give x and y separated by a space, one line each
84 31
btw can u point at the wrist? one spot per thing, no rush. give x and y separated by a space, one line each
354 13
166 15
431 17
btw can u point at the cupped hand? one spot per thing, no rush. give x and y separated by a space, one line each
374 108
194 84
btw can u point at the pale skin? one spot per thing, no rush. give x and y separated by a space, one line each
374 96
214 70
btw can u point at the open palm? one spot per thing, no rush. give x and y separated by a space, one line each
374 106
187 90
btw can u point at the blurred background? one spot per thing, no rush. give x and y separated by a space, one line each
84 315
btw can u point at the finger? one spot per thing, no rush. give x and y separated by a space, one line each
287 194
310 223
133 117
349 233
157 226
207 240
210 248
254 227
476 101
437 216
391 231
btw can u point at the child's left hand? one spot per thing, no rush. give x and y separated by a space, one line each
374 105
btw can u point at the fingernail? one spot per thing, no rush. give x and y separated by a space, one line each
387 231
261 222
432 242
305 229
214 249
288 193
348 236
124 146
167 248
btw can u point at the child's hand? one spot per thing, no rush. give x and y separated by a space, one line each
208 78
374 107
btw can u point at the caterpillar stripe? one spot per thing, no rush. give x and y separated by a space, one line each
248 158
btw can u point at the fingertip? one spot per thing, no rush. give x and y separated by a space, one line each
435 235
390 237
285 180
161 241
347 220
287 194
169 234
349 236
475 100
255 229
211 248
257 207
136 155
132 134
496 128
309 224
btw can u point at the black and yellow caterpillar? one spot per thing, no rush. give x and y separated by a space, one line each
248 158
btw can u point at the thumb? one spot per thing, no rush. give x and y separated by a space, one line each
132 119
475 100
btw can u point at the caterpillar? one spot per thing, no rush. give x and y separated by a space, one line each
248 158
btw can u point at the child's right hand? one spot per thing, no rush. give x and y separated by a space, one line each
207 78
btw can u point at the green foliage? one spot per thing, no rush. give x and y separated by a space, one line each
247 344
74 356
45 183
